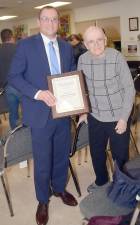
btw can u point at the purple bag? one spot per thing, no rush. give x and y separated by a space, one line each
111 220
105 220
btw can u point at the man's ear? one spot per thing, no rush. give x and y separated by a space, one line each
38 22
105 41
86 45
59 24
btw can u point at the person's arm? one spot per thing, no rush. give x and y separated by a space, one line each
46 96
128 92
127 86
82 117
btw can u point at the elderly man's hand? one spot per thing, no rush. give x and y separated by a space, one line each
82 118
47 97
121 126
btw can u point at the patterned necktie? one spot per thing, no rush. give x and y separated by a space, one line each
53 59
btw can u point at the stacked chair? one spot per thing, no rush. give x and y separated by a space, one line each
17 148
80 141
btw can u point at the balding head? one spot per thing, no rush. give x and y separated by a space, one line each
95 40
93 30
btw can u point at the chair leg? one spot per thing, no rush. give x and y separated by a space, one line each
135 214
110 160
79 157
133 141
75 179
4 116
28 168
136 127
86 153
7 192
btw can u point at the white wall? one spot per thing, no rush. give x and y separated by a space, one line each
6 24
99 11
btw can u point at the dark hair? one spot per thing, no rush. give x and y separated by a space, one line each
6 35
47 7
103 30
74 36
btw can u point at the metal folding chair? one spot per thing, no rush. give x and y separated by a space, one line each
80 140
17 148
4 180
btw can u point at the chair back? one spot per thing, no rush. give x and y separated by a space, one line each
18 146
1 158
3 102
137 83
80 139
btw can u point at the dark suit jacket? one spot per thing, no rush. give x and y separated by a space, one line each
29 72
7 51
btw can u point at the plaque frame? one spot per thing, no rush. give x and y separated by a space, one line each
83 94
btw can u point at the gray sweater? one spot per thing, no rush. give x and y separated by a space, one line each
110 85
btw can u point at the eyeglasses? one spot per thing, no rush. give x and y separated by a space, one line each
47 20
99 41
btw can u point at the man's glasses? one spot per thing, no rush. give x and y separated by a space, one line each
99 41
47 20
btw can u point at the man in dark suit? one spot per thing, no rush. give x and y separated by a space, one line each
7 51
51 138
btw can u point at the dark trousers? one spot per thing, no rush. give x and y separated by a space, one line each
13 99
51 147
99 134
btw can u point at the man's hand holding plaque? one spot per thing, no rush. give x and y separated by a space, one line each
47 97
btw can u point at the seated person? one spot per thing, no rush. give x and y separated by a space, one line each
78 46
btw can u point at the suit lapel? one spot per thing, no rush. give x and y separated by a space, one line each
42 54
61 51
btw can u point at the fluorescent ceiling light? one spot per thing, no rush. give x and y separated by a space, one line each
7 17
53 4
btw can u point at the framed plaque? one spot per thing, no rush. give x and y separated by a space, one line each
133 24
70 92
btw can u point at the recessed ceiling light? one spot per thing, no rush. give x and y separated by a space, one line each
19 1
7 17
53 4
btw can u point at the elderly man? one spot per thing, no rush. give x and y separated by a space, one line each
111 93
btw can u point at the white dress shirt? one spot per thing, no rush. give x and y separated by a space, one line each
46 41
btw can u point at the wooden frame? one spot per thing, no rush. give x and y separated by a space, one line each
133 24
132 48
69 90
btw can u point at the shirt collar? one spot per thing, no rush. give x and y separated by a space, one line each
47 40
